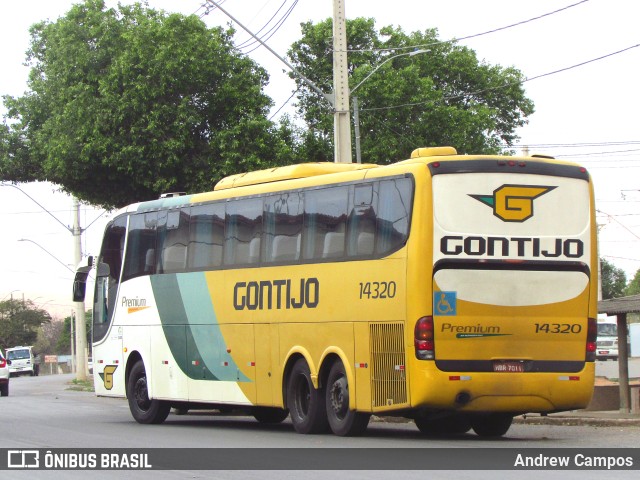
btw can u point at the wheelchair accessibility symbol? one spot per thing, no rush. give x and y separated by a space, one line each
444 303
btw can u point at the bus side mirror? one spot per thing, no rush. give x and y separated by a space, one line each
80 284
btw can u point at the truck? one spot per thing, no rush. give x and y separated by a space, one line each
607 340
23 361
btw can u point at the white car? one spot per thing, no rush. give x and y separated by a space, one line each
4 376
22 360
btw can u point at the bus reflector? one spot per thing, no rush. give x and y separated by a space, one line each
569 378
458 378
423 339
592 336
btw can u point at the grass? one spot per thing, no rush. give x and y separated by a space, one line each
81 386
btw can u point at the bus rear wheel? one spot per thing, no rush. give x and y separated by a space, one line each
143 409
492 425
306 403
343 422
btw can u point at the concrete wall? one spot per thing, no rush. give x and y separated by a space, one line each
607 397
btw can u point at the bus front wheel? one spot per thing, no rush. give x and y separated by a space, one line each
143 409
342 420
492 425
306 404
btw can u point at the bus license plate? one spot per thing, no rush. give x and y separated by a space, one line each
508 367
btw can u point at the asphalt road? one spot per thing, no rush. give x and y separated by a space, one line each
41 413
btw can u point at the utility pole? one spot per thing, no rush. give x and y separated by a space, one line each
341 125
76 231
81 329
339 101
72 338
356 126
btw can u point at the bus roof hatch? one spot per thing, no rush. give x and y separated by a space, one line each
289 172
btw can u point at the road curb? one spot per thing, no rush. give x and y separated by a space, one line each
557 420
576 421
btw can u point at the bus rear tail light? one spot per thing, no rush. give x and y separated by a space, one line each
423 339
592 336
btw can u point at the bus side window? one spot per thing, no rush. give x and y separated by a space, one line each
362 220
283 227
206 236
111 254
141 245
173 237
394 214
243 229
325 218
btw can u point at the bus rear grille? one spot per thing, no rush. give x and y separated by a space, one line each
388 378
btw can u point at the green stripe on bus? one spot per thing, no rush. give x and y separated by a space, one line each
184 301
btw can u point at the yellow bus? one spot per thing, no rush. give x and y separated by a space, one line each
454 290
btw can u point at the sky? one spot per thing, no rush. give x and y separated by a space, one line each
587 111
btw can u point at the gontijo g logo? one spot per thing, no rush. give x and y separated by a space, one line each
513 203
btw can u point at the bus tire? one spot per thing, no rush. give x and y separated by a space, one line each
143 409
342 420
306 403
270 414
492 425
451 425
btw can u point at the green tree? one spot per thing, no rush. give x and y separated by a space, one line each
612 279
48 336
126 103
63 344
19 322
443 97
634 285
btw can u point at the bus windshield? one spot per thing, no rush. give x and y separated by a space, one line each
607 330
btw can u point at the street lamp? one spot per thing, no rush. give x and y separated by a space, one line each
356 112
81 372
10 293
48 252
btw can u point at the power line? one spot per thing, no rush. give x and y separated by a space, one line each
506 85
576 144
266 36
619 223
250 41
583 63
273 29
285 103
471 36
599 153
208 8
622 258
609 167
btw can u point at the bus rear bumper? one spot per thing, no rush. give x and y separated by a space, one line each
502 392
